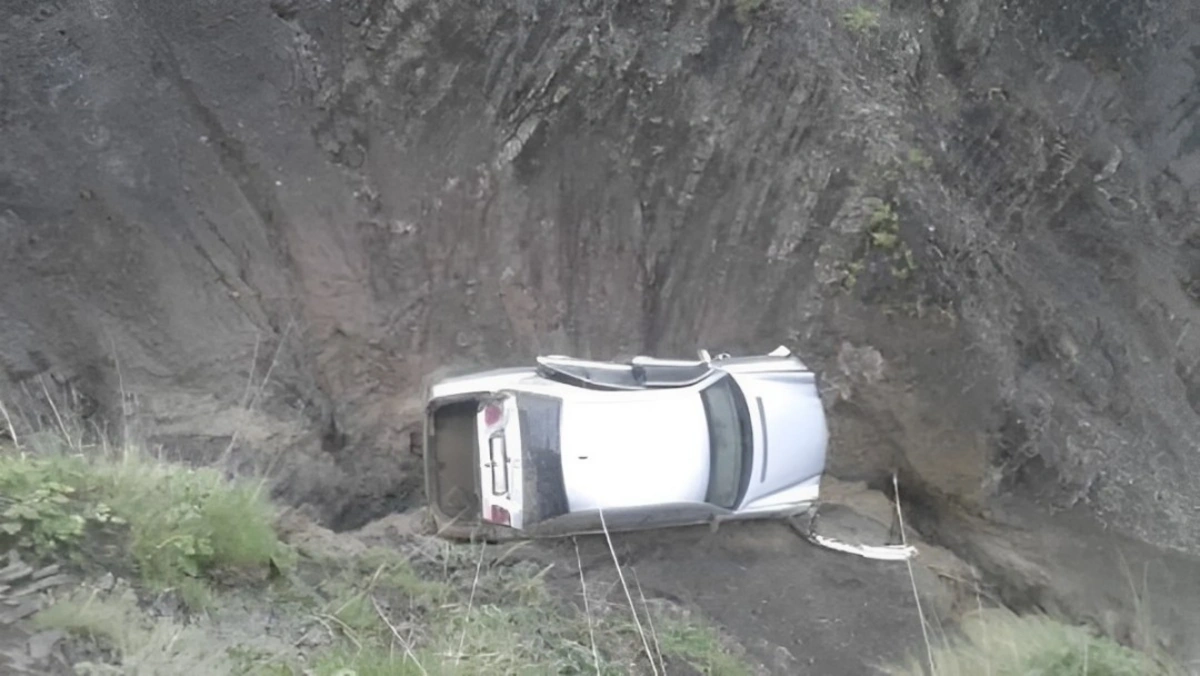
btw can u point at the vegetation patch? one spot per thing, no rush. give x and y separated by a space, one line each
861 19
41 510
464 612
699 646
883 242
745 10
1000 643
183 527
919 159
419 606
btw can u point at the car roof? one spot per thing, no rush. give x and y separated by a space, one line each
626 449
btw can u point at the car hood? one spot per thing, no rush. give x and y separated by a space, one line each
635 449
790 433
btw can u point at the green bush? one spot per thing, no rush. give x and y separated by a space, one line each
40 508
184 525
188 522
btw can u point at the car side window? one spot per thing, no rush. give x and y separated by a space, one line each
729 444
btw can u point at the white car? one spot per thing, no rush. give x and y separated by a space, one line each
572 446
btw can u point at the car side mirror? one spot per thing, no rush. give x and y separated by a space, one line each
705 357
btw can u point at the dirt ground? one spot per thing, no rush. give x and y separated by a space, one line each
795 607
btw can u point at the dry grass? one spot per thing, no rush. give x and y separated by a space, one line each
147 647
1000 643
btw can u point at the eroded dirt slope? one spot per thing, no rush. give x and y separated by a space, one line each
978 220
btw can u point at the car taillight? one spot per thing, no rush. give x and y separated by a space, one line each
492 414
500 516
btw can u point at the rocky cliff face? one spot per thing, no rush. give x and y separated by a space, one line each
254 227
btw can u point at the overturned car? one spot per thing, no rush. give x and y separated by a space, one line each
572 446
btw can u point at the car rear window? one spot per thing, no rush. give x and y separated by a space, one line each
541 455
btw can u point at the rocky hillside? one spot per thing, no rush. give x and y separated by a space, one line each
253 227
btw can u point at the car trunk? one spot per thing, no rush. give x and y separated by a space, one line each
451 460
470 475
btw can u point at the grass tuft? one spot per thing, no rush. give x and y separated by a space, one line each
145 647
861 19
699 646
187 524
1000 643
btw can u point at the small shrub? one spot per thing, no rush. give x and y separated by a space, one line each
184 525
744 10
187 524
41 510
861 19
883 227
919 159
393 574
883 234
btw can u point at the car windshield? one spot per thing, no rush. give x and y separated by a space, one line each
729 442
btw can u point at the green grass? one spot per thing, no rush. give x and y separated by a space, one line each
700 647
188 525
183 527
1002 644
861 19
506 622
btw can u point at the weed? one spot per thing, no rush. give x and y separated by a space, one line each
883 227
883 234
919 159
184 525
861 19
744 10
1003 644
390 571
187 524
849 273
41 510
371 661
111 621
699 646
